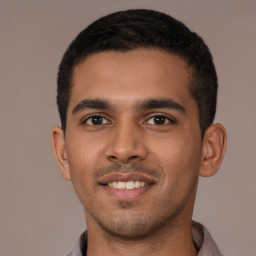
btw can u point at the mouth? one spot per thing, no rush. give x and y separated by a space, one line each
131 184
126 186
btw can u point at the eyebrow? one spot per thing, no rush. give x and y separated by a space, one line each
92 103
162 103
166 103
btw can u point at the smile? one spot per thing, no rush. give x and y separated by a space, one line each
126 185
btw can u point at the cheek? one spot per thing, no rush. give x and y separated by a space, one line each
180 159
81 169
83 159
84 153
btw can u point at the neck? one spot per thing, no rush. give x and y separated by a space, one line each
171 240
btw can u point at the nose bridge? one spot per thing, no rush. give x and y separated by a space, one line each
126 142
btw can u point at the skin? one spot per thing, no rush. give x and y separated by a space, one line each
128 135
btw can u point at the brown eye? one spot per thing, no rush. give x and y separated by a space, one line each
159 120
96 120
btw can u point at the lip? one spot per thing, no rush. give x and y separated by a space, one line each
126 177
126 194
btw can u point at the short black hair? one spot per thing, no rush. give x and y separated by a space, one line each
140 28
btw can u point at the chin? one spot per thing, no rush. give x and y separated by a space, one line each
133 228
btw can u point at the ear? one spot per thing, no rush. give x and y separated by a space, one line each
60 152
213 150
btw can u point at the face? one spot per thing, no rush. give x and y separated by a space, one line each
133 141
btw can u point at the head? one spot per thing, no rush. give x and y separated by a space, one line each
136 92
128 30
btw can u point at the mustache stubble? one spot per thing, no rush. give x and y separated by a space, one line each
128 168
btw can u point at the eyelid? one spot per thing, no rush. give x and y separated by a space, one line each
85 119
171 119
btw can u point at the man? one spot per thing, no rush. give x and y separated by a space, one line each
137 98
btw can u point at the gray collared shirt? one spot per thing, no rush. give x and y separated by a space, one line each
201 237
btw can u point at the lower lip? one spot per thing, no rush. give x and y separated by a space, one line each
126 194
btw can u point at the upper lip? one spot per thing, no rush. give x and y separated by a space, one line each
126 177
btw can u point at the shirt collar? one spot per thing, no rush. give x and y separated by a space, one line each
203 241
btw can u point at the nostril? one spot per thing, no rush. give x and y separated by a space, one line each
133 158
112 158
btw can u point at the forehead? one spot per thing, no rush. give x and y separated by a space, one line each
123 77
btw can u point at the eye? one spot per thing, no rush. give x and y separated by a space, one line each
160 120
95 120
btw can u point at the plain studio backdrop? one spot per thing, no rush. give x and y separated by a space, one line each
39 211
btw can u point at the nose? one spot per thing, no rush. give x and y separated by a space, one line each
126 144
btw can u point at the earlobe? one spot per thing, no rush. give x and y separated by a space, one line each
60 152
213 150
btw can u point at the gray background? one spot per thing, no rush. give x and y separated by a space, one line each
39 212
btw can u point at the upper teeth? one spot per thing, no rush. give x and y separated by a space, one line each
126 185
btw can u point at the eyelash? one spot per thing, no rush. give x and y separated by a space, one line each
170 120
94 115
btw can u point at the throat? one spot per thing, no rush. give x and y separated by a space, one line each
160 243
